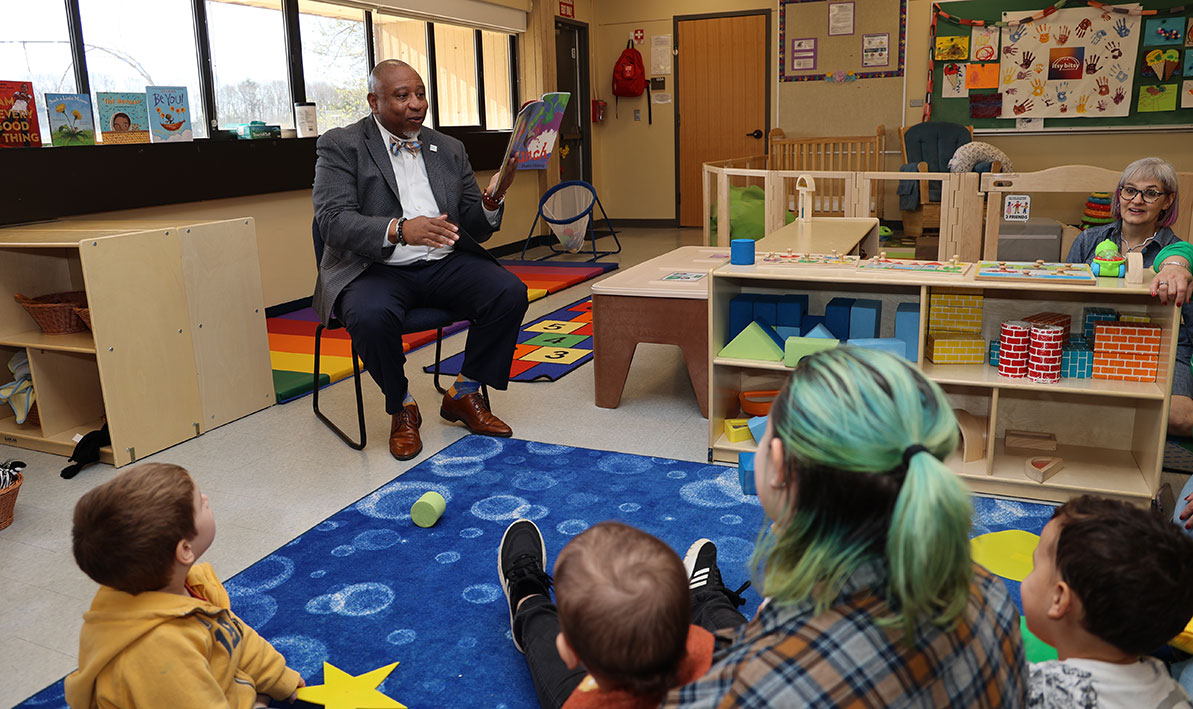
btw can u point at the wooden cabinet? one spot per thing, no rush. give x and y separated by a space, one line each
178 343
1111 434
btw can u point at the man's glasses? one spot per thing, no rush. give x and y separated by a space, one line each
1129 193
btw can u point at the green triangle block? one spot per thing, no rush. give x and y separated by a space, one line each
752 343
799 347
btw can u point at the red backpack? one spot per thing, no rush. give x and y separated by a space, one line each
629 76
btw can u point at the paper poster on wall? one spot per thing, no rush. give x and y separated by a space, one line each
985 105
951 49
983 44
1187 94
660 54
1161 64
982 76
840 18
953 85
660 97
1028 123
876 49
803 54
1078 62
1167 30
1153 99
1187 70
1189 32
1016 208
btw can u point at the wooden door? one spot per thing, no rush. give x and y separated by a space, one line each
722 91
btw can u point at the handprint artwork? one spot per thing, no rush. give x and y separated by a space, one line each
1098 37
1103 85
1062 92
1023 107
1116 52
1122 28
1083 27
1037 87
1062 34
1082 103
1042 32
1026 60
1091 65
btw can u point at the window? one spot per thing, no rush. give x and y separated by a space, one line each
456 81
399 38
34 46
248 59
335 62
125 53
499 114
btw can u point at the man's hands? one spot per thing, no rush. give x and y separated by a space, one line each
427 231
494 192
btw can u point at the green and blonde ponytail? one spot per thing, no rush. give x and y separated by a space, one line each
864 434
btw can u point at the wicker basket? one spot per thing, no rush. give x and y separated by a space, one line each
84 315
55 313
34 418
8 501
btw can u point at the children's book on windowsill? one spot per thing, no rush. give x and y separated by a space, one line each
70 119
122 117
169 114
18 116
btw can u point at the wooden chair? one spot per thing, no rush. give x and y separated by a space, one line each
929 154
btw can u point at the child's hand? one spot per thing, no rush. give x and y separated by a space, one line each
294 695
261 701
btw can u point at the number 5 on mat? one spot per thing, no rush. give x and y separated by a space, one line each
554 355
557 326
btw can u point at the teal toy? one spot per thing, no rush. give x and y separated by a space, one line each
884 233
1108 261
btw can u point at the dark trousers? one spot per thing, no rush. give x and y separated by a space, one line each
537 623
373 308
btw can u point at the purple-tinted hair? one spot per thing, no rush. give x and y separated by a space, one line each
1159 169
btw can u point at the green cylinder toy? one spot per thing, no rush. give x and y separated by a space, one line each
427 510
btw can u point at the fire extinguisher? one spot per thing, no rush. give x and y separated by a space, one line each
598 110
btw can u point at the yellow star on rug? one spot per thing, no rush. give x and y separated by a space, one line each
341 690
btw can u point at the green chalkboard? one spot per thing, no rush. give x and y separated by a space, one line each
956 110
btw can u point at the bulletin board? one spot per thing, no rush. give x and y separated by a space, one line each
830 40
1141 82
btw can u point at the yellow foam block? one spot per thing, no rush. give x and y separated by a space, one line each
336 368
1134 317
1184 641
955 348
738 430
533 294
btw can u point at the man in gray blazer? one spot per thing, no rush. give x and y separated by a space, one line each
402 218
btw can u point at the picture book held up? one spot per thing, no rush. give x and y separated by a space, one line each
536 128
122 117
18 116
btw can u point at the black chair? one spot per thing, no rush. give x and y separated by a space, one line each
417 320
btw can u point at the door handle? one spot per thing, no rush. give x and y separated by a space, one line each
756 135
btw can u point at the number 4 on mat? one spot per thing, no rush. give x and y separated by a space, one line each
548 339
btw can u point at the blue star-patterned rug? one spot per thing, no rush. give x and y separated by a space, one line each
366 587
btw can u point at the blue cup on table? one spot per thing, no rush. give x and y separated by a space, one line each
741 252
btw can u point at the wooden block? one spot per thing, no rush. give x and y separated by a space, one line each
1040 468
1135 269
1032 440
973 435
737 430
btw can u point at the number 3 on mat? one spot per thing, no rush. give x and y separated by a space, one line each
562 327
555 355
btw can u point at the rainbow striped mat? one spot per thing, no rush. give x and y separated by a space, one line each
292 336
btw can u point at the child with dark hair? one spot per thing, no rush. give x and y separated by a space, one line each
623 613
1110 583
160 632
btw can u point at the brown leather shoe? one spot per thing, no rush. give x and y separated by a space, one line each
472 411
404 441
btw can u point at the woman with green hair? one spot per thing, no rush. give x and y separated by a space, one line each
871 598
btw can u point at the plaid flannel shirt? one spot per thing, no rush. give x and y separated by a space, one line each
787 656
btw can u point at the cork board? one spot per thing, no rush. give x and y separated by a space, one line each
814 43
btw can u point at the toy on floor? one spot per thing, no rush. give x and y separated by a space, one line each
1107 261
341 690
427 509
86 451
1079 273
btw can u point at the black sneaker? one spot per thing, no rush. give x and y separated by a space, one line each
521 560
701 564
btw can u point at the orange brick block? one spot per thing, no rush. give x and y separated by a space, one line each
1128 337
1122 366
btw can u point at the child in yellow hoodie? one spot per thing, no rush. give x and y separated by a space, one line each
160 632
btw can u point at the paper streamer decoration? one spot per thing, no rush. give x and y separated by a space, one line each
1044 353
1013 344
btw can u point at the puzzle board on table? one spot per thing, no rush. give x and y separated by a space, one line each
547 348
789 258
1078 273
960 268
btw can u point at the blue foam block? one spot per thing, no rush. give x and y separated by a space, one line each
836 317
758 427
893 345
792 307
785 332
809 322
907 328
864 317
772 334
745 473
821 332
993 352
766 309
741 313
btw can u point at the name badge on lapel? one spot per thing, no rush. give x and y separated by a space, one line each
434 148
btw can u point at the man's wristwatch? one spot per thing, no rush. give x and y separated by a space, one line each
401 240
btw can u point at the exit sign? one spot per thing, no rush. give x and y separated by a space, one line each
566 9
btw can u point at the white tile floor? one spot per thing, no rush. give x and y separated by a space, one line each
272 475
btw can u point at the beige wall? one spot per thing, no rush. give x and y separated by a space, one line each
1034 152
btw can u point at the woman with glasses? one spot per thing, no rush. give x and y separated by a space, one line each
1144 207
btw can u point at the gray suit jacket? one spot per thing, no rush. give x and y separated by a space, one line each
356 196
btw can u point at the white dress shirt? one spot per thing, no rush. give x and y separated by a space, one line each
418 200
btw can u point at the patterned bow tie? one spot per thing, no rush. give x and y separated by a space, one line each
412 146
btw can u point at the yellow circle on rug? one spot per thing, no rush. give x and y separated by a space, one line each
1006 553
